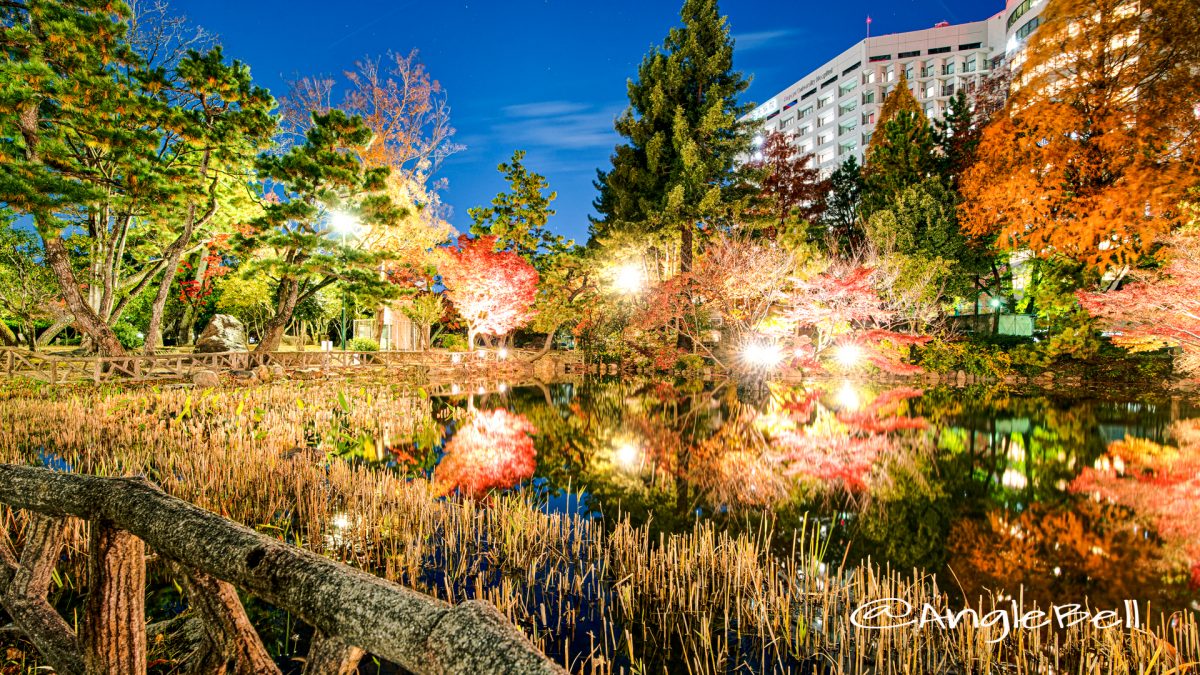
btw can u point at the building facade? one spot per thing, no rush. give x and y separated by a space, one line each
832 111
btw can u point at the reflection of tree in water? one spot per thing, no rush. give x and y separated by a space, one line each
492 450
1160 483
1095 551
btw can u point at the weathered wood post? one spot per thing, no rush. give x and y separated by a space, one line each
53 371
114 617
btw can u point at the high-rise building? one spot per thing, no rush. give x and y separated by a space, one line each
832 111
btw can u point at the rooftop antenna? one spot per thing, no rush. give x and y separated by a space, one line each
868 26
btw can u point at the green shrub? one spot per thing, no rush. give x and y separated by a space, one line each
360 344
127 334
452 341
970 356
690 362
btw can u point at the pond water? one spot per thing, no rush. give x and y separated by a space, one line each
1071 497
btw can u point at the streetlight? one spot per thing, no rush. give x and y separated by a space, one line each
629 279
848 355
344 224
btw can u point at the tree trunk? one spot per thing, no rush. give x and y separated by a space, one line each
547 344
86 319
331 656
23 587
470 339
60 323
7 338
686 231
286 297
114 616
232 645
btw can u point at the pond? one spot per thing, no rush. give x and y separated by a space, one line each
1068 497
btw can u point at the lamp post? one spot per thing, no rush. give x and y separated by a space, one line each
343 223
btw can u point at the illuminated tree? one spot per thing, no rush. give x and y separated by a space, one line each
674 171
1099 140
492 450
293 242
1162 309
901 151
517 218
792 188
492 290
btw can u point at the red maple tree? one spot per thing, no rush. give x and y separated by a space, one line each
493 290
1158 311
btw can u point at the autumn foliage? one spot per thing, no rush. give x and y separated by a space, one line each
1099 141
1159 310
492 290
493 450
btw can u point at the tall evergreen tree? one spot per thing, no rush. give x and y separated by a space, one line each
901 151
957 136
842 202
675 170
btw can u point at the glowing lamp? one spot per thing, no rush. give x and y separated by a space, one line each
629 279
763 355
848 355
343 223
627 455
503 353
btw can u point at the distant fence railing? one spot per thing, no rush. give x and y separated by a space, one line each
141 367
352 611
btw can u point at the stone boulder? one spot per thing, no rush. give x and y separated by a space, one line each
206 379
223 334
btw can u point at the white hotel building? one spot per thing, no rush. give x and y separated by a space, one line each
832 111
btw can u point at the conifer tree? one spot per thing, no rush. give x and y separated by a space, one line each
674 172
294 242
517 218
842 203
901 151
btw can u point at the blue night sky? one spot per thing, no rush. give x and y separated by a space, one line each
547 76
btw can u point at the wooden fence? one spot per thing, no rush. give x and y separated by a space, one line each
140 367
353 612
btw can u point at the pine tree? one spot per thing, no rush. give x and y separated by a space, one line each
957 136
842 204
517 218
901 151
294 243
675 170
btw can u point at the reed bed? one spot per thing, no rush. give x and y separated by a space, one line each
598 598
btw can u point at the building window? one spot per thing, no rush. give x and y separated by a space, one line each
787 122
846 148
948 69
1018 13
805 130
846 128
908 72
824 101
822 120
969 65
821 139
847 107
868 97
825 156
847 87
869 77
868 118
808 93
938 50
948 90
852 68
1024 31
806 112
891 75
881 57
828 82
908 55
969 46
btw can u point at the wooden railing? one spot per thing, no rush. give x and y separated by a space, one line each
352 612
140 367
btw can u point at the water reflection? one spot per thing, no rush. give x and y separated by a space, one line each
1070 498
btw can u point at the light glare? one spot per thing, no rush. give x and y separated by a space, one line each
848 355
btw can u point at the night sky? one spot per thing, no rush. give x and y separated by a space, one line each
547 76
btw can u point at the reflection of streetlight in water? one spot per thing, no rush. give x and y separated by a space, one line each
627 456
847 397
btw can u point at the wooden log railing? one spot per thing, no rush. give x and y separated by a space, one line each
142 367
351 611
